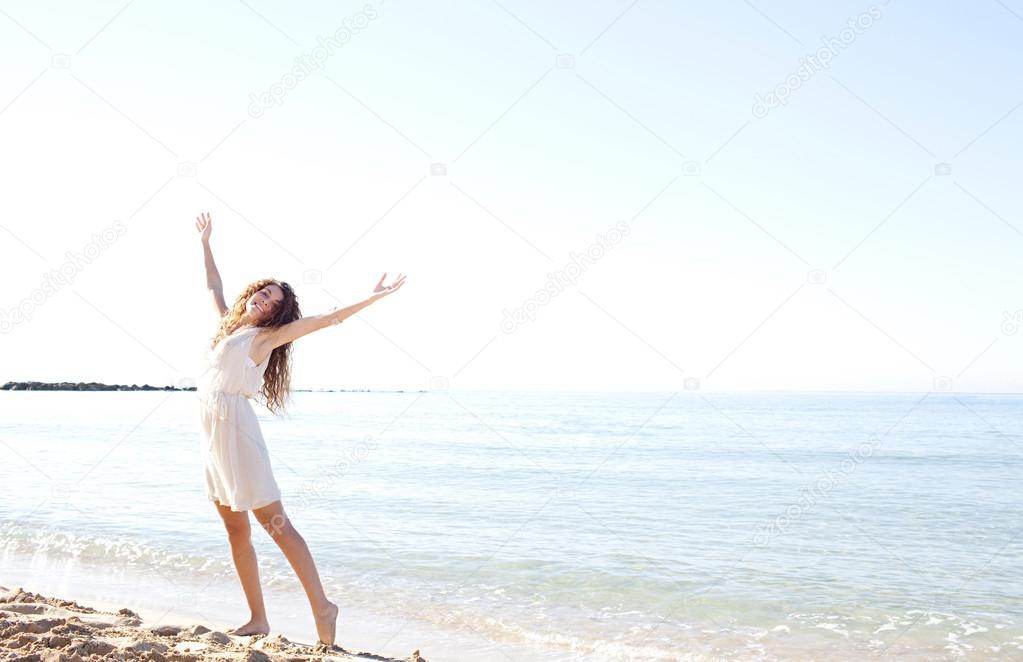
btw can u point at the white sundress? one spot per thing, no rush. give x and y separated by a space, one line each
238 471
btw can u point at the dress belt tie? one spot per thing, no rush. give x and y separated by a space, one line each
218 402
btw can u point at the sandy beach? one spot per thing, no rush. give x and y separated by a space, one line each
37 627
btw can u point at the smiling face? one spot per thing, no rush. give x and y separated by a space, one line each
264 303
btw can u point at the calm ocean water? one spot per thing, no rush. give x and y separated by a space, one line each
567 526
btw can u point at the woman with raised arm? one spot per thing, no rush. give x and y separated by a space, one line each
248 357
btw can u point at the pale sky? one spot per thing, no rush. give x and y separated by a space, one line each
863 235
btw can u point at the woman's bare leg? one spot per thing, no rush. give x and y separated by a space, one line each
240 536
278 525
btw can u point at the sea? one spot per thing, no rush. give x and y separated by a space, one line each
543 526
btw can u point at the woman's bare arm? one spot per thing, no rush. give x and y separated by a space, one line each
204 224
286 333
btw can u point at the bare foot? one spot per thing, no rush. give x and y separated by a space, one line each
251 628
326 623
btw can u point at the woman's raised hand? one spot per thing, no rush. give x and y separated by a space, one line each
204 224
382 290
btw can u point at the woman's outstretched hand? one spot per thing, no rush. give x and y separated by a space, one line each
382 290
204 224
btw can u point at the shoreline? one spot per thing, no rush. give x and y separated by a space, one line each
39 627
92 387
367 623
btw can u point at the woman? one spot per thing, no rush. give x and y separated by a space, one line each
250 356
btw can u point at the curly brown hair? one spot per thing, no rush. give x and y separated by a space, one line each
277 378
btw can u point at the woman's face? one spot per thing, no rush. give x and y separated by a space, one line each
264 303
